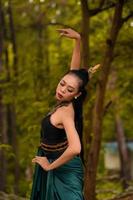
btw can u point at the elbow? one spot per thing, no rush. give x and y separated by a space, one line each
76 150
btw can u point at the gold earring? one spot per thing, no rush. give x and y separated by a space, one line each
75 97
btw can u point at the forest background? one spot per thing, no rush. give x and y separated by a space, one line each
33 58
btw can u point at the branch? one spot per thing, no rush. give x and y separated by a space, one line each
101 3
58 24
125 19
93 12
85 7
107 107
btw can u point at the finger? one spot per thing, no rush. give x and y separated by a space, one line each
33 160
38 157
62 29
63 32
59 30
62 35
36 161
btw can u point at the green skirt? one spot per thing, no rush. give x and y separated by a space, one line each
62 183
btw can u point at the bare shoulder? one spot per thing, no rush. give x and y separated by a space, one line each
67 111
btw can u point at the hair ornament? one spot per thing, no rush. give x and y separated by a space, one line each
94 69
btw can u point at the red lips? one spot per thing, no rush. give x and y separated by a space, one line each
59 95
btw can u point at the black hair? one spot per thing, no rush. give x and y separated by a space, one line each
83 75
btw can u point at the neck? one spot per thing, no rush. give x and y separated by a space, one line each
62 102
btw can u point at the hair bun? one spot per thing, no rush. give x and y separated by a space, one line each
83 75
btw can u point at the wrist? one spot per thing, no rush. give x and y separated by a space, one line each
49 167
78 38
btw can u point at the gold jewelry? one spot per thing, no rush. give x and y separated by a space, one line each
92 70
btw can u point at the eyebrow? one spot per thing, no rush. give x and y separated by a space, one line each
68 85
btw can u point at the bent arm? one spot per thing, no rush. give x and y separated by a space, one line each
74 145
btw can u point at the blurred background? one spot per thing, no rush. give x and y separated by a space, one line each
33 58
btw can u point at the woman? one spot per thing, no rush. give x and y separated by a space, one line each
59 169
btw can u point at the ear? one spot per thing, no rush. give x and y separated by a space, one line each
78 94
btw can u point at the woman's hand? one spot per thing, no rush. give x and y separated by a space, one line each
69 33
42 161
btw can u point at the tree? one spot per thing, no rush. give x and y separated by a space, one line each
3 127
99 103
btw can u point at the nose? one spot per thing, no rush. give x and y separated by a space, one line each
63 90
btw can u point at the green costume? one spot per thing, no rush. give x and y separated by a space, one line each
64 182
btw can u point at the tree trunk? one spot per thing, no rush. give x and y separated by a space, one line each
14 142
3 130
11 107
85 33
93 157
87 133
41 79
85 63
123 151
13 39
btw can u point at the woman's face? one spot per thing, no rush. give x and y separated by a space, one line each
67 88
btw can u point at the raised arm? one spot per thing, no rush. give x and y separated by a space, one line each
76 55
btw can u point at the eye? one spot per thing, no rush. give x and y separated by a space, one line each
62 84
69 90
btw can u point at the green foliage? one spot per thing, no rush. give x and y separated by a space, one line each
43 57
7 149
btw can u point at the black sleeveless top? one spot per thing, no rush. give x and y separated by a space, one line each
54 139
50 134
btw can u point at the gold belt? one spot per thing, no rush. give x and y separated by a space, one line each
54 147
